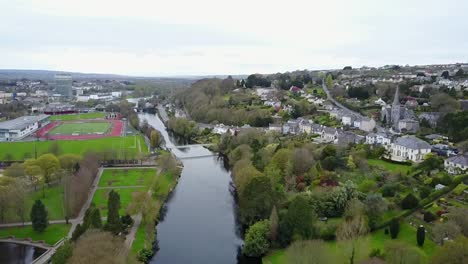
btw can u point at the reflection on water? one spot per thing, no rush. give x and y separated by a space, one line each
198 223
11 253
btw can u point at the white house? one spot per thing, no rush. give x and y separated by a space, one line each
378 138
409 148
367 124
347 120
220 129
457 164
329 134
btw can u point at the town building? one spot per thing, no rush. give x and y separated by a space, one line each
379 139
457 164
409 148
408 125
63 85
367 124
21 127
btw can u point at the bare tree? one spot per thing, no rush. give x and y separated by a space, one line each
99 247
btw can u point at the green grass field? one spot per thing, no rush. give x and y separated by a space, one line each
17 151
126 177
341 250
69 117
139 241
51 235
126 194
53 202
81 128
389 166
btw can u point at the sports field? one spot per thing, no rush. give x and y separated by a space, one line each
81 128
93 115
123 147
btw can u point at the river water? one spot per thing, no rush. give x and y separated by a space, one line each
12 253
198 223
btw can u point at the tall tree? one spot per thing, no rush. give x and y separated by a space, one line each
274 224
309 252
257 241
421 235
39 216
49 165
394 228
113 219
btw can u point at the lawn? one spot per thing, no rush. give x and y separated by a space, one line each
139 241
51 235
69 117
53 202
18 151
81 128
340 250
389 166
126 177
126 194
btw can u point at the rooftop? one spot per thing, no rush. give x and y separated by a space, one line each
412 142
21 122
460 159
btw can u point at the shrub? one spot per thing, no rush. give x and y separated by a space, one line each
376 252
126 220
257 242
63 253
421 235
394 228
389 190
145 255
409 202
429 217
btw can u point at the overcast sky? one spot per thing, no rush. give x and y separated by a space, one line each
204 37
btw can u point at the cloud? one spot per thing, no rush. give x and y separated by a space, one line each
177 37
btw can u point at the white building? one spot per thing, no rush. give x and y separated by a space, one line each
367 124
347 120
379 138
21 127
457 164
409 148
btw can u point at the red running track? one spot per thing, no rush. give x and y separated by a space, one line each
117 128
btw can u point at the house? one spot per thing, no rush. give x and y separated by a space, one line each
305 126
409 148
439 187
378 138
291 127
21 127
220 129
367 124
408 125
329 134
346 138
457 164
347 120
274 127
295 89
357 123
431 117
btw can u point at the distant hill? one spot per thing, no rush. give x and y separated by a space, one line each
49 75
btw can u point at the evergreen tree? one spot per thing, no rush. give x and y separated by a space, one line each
394 228
274 222
39 217
421 235
113 206
96 221
79 230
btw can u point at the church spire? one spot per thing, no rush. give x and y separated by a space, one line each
396 99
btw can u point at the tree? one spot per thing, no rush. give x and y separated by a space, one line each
298 221
420 235
155 138
409 202
113 219
309 252
274 224
453 253
79 230
329 81
256 241
375 205
69 161
399 253
445 74
54 148
39 216
15 170
99 247
63 253
18 198
257 200
431 162
446 230
354 226
445 103
460 216
350 164
394 228
33 172
49 165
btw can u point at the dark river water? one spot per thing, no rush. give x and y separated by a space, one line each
11 253
198 223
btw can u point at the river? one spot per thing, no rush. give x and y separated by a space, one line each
198 223
12 253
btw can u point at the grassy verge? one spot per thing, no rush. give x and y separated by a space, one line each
51 235
18 151
126 177
70 117
341 250
126 194
393 167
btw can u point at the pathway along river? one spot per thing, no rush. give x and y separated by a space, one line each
198 223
